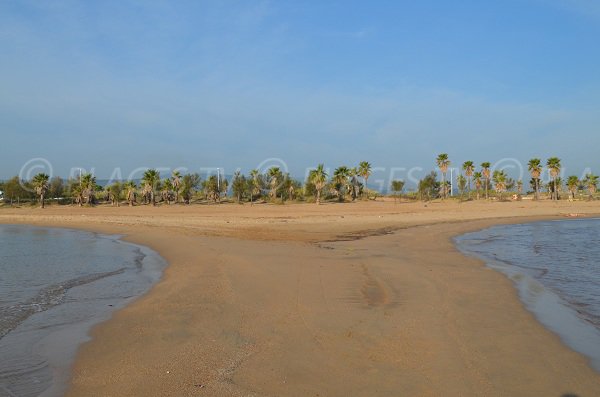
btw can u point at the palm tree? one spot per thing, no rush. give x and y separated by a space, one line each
535 169
239 186
176 182
274 175
591 182
443 163
500 182
167 190
477 176
290 186
461 182
353 180
113 193
151 181
255 182
40 183
318 177
573 185
364 170
340 181
76 191
469 168
88 188
487 176
553 165
131 187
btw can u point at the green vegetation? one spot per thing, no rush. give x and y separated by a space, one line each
535 169
277 187
554 166
40 184
397 186
443 164
469 169
487 176
429 187
318 177
364 170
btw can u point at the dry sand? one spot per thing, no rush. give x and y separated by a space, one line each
360 299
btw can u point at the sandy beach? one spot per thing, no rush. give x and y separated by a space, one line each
356 299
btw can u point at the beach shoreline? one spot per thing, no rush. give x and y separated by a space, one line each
367 288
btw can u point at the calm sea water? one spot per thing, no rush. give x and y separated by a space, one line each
556 268
54 285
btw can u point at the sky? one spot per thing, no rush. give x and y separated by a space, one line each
116 86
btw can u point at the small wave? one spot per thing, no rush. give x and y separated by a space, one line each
12 316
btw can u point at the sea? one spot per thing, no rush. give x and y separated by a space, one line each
555 266
55 285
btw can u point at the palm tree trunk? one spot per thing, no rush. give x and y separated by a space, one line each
443 185
318 196
42 197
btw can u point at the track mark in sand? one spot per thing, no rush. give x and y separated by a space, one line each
373 292
310 330
225 383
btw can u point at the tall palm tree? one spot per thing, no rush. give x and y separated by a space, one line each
364 170
443 163
176 183
477 176
500 178
131 187
40 183
318 177
468 168
553 165
573 183
274 175
461 182
340 181
353 180
591 182
151 181
535 169
255 183
88 188
487 176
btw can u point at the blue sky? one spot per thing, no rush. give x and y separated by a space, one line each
229 84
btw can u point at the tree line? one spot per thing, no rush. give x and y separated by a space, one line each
276 186
273 186
485 180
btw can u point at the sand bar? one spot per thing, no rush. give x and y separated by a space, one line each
333 300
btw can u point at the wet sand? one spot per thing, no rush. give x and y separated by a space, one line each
333 300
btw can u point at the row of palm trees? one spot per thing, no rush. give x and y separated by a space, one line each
484 177
276 185
178 187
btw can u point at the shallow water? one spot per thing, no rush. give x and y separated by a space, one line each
55 284
556 268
